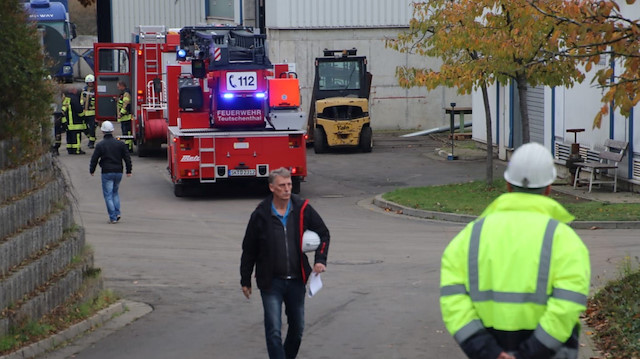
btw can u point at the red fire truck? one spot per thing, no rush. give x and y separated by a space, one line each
231 114
139 65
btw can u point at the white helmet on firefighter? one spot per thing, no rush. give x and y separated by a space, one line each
107 126
310 241
531 166
89 78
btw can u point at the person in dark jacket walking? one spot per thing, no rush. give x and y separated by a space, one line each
111 152
273 244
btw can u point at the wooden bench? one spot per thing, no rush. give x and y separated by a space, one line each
608 160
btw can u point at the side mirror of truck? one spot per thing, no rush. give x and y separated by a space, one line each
72 29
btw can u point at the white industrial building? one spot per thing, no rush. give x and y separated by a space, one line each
553 111
298 31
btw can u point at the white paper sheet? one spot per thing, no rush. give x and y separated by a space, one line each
315 284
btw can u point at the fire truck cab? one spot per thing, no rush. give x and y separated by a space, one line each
212 94
230 116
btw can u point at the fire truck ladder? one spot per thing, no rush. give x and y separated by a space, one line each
207 158
151 38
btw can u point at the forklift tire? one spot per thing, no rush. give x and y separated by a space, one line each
366 139
295 185
319 140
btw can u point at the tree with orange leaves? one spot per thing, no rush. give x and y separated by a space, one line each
597 29
484 41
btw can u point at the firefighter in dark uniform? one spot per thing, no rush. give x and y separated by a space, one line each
88 102
58 129
124 113
71 119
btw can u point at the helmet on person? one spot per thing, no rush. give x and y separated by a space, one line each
107 126
310 241
89 78
531 166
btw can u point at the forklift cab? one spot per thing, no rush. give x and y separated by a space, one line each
339 115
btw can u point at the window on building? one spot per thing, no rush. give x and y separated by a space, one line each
222 9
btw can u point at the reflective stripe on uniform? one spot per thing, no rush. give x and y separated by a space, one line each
539 296
452 290
468 330
546 339
570 296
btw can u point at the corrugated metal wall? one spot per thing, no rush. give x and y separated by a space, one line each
535 106
127 14
308 14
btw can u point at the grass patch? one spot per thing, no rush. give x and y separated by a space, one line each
472 198
73 311
614 314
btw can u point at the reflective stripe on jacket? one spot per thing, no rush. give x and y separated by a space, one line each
91 105
518 267
124 106
70 111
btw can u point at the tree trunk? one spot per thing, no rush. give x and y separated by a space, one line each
521 80
487 115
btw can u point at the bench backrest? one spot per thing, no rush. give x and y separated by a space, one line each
614 150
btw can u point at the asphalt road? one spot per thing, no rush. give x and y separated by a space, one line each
380 300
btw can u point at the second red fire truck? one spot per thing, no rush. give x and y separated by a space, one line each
228 113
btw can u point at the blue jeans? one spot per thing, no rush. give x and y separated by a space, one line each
291 293
110 185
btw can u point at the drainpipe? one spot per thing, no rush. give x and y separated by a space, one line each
553 121
612 104
511 113
630 146
498 113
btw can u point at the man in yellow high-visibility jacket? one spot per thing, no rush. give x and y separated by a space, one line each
514 282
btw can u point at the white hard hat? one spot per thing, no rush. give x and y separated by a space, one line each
107 126
531 166
310 241
89 78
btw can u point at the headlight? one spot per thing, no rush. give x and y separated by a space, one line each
66 69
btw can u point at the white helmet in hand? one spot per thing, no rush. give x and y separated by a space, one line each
310 241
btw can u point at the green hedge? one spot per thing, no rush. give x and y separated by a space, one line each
27 91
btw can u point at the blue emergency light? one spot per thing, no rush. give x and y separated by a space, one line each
228 96
181 55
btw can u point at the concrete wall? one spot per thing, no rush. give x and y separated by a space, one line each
391 107
43 259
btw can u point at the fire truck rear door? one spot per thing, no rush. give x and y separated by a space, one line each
113 63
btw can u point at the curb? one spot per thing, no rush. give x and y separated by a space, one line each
464 218
104 323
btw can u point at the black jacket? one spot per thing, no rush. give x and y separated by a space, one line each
259 242
111 152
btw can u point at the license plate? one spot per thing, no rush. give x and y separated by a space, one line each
250 172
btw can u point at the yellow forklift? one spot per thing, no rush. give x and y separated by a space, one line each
339 113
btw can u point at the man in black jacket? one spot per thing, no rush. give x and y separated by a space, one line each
273 244
111 152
